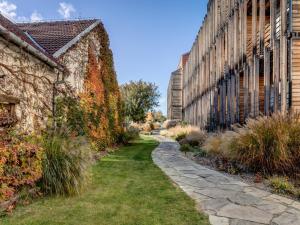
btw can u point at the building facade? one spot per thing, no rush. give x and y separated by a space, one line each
27 78
175 94
243 63
40 61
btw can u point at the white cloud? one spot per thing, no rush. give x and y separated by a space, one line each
8 9
66 9
35 17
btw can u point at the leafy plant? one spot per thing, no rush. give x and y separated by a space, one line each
186 148
20 164
70 113
282 185
180 137
199 152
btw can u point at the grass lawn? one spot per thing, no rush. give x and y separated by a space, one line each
126 188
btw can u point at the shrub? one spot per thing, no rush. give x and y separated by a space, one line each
180 137
196 137
156 125
164 133
128 135
185 148
170 123
199 152
20 164
220 144
282 185
179 130
64 166
147 127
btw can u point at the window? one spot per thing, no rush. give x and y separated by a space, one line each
7 110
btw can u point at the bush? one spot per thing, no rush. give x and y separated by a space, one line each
185 148
170 123
64 166
156 125
20 164
128 135
196 137
179 130
147 127
199 152
180 137
220 145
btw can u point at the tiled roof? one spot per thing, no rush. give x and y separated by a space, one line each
14 29
52 36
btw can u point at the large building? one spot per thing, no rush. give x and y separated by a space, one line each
245 62
175 91
40 60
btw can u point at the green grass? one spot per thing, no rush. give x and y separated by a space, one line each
125 188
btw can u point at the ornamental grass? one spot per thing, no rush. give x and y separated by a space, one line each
65 166
270 145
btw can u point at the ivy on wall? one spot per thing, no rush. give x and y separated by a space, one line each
101 99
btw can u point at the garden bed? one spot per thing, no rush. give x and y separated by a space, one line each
265 151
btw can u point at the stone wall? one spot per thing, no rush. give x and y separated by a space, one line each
28 81
76 60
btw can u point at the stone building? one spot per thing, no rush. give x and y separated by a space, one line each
244 63
175 91
27 77
36 58
68 42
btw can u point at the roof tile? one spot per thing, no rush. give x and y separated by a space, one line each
13 28
52 36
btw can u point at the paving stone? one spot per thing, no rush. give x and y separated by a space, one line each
245 213
286 219
243 222
256 192
272 207
193 176
217 179
215 204
215 220
296 205
217 193
244 199
233 187
280 199
199 198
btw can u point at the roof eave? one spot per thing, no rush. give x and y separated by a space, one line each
18 41
64 49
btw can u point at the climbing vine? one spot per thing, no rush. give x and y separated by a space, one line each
101 99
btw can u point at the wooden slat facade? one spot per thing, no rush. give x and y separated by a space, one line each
175 96
244 62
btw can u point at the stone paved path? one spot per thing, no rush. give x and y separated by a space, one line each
226 200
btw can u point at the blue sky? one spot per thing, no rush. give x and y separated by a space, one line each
147 36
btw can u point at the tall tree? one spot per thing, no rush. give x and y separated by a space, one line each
139 98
